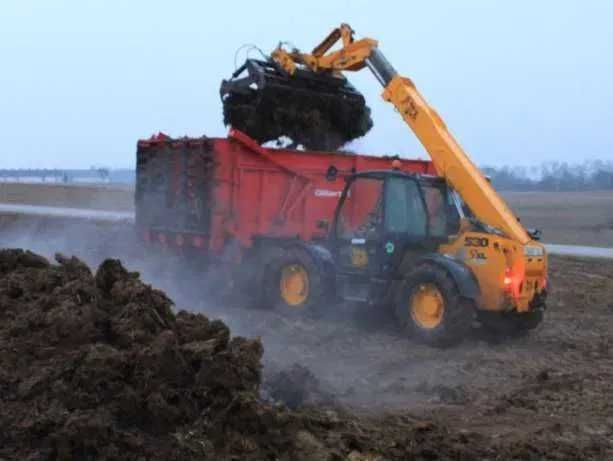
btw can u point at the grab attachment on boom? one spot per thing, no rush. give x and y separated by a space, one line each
319 110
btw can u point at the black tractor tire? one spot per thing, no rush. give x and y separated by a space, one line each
457 314
271 291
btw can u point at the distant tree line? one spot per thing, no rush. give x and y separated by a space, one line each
554 176
96 174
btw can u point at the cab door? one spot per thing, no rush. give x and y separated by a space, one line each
381 223
356 236
405 235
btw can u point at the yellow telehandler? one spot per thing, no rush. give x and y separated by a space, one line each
440 274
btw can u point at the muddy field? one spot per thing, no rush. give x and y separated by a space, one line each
552 389
572 218
369 390
114 197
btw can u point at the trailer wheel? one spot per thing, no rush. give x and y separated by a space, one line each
430 308
294 282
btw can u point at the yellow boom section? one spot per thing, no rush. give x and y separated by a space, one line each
447 155
450 159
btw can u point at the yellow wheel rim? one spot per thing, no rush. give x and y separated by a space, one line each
427 306
294 284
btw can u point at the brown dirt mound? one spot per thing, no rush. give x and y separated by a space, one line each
99 366
296 387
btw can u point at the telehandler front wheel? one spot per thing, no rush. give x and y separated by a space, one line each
430 308
293 282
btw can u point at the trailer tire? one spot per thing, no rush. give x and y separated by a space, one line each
293 282
430 308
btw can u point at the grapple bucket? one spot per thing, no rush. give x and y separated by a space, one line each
321 111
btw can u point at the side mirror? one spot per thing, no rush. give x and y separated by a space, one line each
535 234
323 224
331 173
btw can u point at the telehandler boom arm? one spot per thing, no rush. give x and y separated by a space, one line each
450 160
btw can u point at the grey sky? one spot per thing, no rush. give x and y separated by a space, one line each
517 82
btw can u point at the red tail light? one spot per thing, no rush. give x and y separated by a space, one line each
513 283
508 280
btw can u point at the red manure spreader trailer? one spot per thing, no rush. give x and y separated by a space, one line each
265 212
204 194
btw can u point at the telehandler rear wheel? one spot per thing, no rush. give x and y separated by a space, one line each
430 308
293 282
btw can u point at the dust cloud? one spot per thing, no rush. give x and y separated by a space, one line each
355 354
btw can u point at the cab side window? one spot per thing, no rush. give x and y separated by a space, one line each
404 211
438 210
361 212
